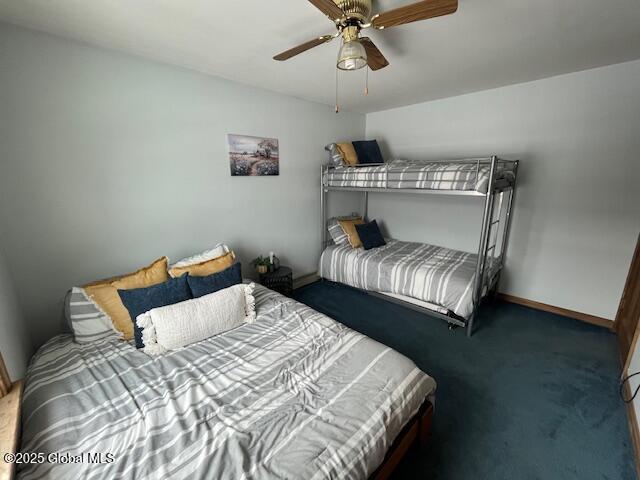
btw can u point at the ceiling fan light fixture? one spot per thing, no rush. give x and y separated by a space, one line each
352 56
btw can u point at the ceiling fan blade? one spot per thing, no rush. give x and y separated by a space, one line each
303 47
375 58
414 13
329 8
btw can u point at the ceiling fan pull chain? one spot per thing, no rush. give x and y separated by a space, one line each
337 106
366 82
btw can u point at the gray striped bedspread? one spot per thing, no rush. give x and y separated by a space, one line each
437 275
295 395
416 175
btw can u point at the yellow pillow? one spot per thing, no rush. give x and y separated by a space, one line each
349 227
348 153
205 268
105 292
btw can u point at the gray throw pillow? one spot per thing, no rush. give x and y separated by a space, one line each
88 323
335 157
336 232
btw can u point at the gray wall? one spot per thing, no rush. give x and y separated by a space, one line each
110 161
15 342
577 213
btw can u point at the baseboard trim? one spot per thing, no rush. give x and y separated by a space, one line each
633 427
583 317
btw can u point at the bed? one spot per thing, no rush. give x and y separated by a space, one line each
468 175
293 395
436 278
447 286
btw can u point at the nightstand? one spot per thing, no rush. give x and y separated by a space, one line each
281 280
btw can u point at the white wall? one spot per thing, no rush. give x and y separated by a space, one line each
15 342
577 213
110 161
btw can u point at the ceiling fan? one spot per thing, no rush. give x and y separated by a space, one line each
353 16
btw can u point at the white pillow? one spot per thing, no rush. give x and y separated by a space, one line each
178 325
217 251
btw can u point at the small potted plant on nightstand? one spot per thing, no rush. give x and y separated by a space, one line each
261 264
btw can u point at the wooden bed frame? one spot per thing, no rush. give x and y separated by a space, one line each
10 403
416 432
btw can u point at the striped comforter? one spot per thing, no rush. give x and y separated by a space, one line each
432 274
415 175
294 395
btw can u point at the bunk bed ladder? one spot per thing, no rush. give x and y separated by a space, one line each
488 224
490 262
501 224
492 242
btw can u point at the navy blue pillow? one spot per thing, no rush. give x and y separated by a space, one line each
217 281
370 235
140 300
368 151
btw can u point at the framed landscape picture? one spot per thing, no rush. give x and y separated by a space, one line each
253 156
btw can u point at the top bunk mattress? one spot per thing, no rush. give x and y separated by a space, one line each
402 174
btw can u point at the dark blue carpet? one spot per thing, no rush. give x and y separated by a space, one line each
530 396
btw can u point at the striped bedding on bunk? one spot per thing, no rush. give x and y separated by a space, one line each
436 275
294 395
362 177
415 175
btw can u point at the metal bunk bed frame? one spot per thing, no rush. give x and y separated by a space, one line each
490 263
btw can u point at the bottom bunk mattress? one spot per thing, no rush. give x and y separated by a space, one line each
432 274
294 395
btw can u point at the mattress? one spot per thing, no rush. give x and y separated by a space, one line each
424 272
402 174
294 395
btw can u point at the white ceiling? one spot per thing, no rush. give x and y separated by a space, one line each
487 43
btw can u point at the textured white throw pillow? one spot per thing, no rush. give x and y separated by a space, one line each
184 323
217 251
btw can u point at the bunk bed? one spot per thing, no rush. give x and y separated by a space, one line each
440 282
